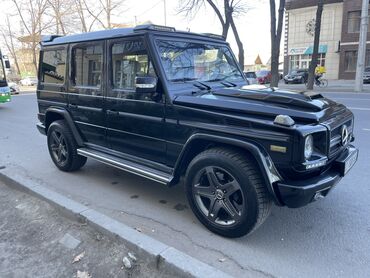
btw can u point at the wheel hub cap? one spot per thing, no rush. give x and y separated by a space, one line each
219 194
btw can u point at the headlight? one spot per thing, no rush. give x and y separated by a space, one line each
308 147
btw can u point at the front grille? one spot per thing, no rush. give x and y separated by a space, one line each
335 146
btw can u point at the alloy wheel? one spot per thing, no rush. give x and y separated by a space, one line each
218 195
58 146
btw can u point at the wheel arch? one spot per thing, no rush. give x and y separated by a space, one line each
200 142
54 114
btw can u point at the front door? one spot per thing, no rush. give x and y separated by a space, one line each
135 121
86 101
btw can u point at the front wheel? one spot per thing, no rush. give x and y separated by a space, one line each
226 192
324 83
63 148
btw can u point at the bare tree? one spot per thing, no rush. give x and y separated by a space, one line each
225 12
9 40
63 13
316 44
31 14
103 12
276 32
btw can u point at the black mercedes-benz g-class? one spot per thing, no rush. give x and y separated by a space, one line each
164 104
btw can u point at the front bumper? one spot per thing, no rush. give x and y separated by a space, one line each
5 98
41 128
299 193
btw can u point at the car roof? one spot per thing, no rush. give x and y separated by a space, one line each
121 32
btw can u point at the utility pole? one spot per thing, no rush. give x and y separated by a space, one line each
165 12
359 85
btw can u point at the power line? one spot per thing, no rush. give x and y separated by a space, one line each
144 12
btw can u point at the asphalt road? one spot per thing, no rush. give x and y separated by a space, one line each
329 238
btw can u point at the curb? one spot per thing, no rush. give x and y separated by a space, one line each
166 259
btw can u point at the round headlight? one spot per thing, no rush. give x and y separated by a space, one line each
308 147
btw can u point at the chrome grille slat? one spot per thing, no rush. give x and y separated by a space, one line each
335 145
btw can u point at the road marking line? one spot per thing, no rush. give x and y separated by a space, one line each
359 108
346 98
366 129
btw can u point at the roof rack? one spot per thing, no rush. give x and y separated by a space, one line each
49 38
154 27
214 36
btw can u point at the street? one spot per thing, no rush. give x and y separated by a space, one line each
329 238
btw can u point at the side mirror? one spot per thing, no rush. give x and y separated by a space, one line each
146 84
7 64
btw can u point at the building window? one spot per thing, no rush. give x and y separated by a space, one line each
87 66
354 22
350 61
53 66
303 61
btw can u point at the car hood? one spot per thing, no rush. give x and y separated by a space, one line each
267 102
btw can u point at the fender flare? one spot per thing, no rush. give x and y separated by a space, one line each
265 163
68 118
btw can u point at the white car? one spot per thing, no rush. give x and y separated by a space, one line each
29 81
14 88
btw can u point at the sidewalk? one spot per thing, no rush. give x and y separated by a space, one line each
36 241
335 86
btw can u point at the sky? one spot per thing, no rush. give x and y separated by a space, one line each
254 26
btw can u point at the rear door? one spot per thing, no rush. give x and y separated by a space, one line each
135 121
52 86
86 94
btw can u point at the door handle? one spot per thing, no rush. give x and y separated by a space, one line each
75 106
112 112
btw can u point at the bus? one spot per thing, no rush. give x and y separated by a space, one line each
4 88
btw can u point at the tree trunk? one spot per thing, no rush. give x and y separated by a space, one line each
276 40
315 54
239 43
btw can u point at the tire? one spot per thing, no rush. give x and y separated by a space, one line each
324 83
63 148
226 192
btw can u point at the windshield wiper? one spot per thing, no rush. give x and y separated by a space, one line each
183 79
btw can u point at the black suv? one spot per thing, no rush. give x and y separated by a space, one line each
164 105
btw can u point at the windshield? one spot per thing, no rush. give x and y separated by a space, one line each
2 75
262 73
187 61
250 75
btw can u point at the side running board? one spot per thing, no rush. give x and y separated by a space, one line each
127 165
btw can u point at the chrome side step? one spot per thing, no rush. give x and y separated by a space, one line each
127 166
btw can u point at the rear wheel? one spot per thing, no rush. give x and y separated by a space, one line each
226 192
63 148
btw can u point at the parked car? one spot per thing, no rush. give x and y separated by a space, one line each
299 76
29 81
263 76
14 88
174 106
366 76
251 77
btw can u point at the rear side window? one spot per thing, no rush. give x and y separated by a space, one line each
53 66
87 66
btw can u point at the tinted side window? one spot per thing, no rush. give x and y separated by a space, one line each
87 65
129 59
53 66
